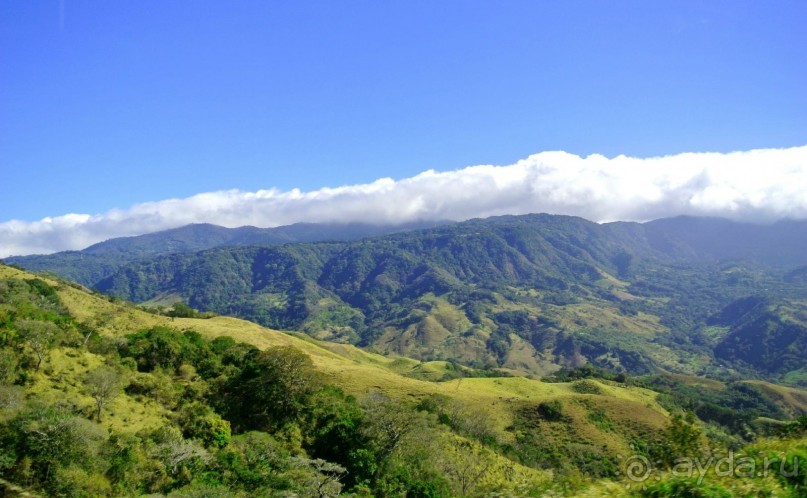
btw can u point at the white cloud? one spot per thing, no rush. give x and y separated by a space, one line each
757 185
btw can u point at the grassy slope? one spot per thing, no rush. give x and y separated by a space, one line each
61 379
354 370
358 371
792 400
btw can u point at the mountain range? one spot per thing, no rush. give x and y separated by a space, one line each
522 294
102 259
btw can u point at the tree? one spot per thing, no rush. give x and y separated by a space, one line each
405 446
39 336
334 433
123 455
104 384
683 437
466 464
164 347
257 460
182 310
388 424
182 459
322 477
273 388
53 439
101 320
199 421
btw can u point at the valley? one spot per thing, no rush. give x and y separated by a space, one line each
525 294
537 352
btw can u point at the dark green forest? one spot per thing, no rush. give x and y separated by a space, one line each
625 296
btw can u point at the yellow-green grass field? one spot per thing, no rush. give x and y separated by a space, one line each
358 372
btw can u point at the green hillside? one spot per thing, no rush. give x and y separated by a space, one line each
529 294
222 407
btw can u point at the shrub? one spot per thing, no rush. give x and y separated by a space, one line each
551 411
586 387
679 488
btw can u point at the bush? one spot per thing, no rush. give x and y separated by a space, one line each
182 310
791 469
551 411
680 488
164 347
200 422
586 387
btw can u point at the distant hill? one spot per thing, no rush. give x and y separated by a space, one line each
530 293
527 293
770 336
779 244
709 240
98 261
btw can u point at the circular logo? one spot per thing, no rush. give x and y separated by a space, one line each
637 468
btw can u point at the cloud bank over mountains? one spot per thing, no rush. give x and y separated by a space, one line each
756 185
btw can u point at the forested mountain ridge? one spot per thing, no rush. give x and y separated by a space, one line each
690 238
527 293
100 260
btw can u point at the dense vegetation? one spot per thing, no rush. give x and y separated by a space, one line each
86 410
522 293
101 260
240 420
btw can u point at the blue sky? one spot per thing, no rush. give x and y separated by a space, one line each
104 105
